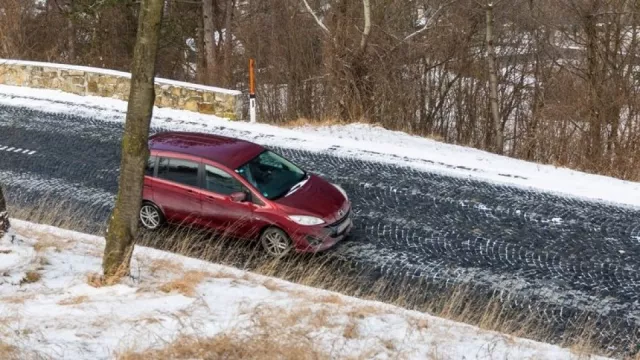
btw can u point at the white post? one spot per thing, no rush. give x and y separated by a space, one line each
252 108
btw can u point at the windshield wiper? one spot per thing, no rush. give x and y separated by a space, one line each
297 186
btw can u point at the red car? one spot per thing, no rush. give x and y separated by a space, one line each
242 190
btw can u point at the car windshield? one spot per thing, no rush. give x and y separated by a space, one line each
271 174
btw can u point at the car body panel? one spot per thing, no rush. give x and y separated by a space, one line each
316 198
223 150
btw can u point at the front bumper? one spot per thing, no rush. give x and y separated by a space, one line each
321 238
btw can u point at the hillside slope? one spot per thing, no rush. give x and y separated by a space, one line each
52 305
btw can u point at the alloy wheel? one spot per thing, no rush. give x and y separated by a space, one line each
276 243
150 217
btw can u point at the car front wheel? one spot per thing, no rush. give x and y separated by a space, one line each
150 216
276 242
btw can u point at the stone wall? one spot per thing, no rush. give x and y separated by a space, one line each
114 84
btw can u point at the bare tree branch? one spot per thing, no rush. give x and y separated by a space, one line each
316 18
428 22
367 24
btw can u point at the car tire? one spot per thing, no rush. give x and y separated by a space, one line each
276 242
150 216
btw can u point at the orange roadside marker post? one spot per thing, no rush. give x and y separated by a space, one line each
252 91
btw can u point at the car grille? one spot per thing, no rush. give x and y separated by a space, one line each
334 226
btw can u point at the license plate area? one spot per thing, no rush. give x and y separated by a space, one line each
342 227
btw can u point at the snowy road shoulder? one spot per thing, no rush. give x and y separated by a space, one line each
355 141
172 301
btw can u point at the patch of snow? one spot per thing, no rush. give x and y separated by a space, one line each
365 142
62 316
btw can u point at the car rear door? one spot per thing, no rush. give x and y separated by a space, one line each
149 175
232 218
175 188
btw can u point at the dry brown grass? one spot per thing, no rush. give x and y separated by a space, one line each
18 299
3 251
74 300
42 262
271 334
351 330
165 265
98 280
46 241
230 347
330 299
273 285
56 212
31 277
418 323
300 122
365 311
187 284
8 351
147 321
43 245
304 122
459 303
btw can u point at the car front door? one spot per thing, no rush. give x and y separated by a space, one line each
175 189
233 218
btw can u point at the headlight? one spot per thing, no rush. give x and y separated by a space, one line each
306 220
341 190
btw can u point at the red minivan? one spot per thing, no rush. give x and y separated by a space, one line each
242 190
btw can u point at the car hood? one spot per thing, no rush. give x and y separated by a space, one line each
316 198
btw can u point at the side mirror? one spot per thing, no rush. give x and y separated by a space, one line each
238 197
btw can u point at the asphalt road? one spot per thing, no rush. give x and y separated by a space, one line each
556 254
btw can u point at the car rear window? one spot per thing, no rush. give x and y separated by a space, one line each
179 171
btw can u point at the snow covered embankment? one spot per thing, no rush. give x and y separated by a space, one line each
177 307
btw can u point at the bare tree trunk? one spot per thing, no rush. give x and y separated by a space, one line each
594 150
201 61
71 40
228 43
123 224
4 215
366 4
209 41
498 139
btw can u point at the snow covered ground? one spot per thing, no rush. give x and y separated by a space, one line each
52 306
358 140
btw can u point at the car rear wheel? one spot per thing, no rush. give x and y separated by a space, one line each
276 242
150 216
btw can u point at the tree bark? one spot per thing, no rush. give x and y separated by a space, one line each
498 140
4 215
209 40
123 224
228 44
201 61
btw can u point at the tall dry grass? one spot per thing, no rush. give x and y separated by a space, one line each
325 271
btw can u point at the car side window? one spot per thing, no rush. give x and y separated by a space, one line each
183 172
220 182
151 166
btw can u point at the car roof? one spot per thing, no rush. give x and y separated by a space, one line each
227 151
